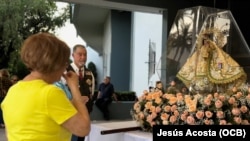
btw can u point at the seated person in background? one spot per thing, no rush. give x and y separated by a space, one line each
104 98
159 87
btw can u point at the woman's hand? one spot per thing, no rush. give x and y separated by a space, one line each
71 79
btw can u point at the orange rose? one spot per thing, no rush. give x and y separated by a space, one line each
148 105
158 100
164 116
152 109
172 100
192 108
167 108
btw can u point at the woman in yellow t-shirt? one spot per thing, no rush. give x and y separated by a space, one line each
34 108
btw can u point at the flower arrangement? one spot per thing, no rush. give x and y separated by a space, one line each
156 108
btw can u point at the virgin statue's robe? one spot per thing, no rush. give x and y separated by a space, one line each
209 67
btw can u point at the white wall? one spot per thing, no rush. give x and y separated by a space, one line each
146 27
107 47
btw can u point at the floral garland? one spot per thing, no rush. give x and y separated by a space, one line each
156 108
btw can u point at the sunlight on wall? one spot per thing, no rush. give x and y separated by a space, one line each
144 32
68 32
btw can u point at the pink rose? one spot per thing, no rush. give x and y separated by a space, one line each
216 95
236 111
173 108
207 101
223 122
208 114
210 96
199 114
154 115
222 98
152 123
245 122
238 95
172 119
149 118
207 121
248 96
158 109
220 114
141 115
183 117
234 89
237 120
218 104
176 113
231 100
190 120
243 109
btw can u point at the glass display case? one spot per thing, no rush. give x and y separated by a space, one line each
186 35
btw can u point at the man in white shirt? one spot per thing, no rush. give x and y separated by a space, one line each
86 78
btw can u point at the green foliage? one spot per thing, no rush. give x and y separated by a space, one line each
22 18
22 70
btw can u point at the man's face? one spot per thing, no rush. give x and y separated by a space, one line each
106 80
80 56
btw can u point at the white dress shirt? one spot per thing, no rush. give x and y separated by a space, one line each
76 69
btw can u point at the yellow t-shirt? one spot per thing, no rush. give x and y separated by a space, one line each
35 110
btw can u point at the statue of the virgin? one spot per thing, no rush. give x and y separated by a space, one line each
211 69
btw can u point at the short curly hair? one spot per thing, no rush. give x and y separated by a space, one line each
45 53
